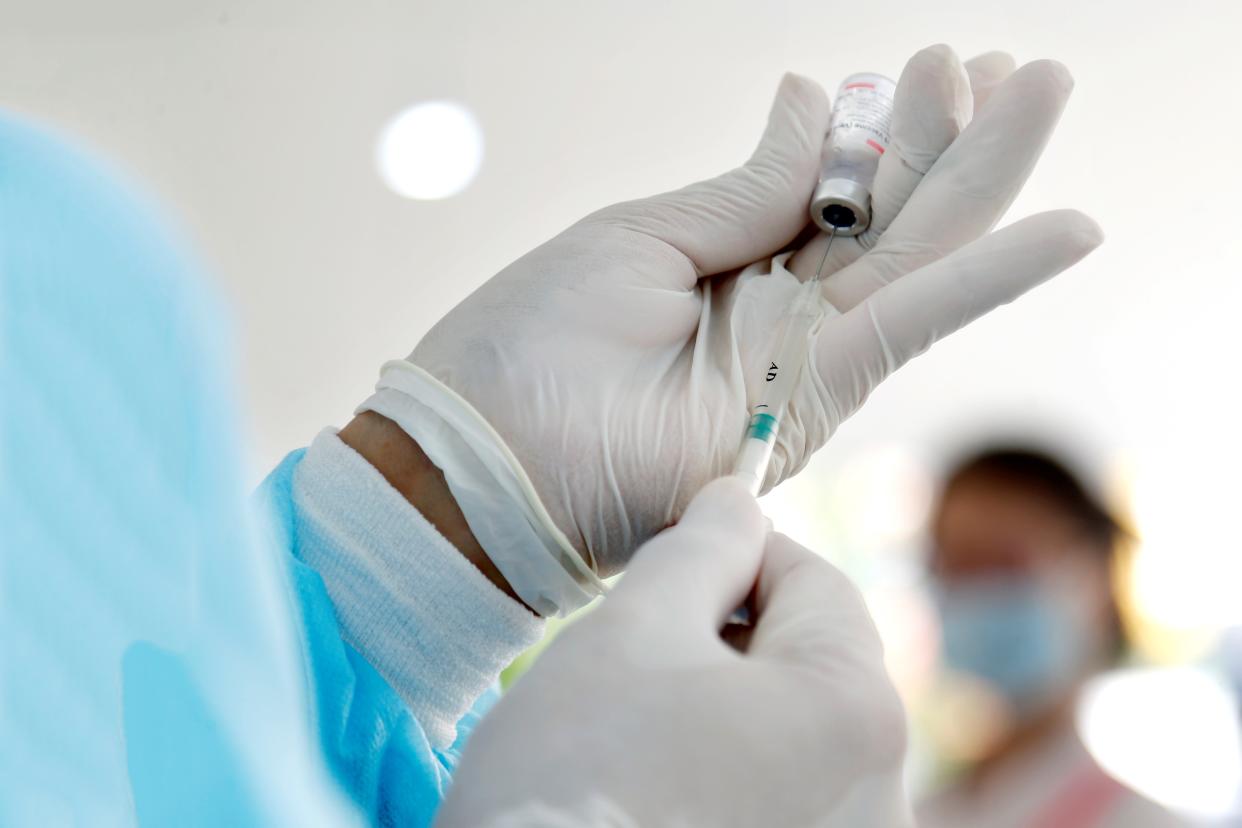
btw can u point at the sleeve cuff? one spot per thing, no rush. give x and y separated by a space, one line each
429 622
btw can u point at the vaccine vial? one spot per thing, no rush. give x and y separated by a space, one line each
857 136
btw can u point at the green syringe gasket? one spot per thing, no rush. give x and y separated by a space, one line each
762 427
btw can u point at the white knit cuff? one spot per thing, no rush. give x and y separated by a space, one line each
429 622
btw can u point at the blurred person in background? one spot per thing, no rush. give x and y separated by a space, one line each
1022 564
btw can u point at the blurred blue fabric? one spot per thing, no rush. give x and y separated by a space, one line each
162 659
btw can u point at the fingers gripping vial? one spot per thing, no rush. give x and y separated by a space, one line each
841 205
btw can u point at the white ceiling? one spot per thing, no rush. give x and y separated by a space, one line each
254 122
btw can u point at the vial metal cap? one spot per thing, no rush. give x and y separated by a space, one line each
841 206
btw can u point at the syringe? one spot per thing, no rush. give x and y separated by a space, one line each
781 379
841 205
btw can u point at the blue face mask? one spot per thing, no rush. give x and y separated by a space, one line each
1013 634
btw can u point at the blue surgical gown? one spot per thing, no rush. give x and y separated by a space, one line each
165 658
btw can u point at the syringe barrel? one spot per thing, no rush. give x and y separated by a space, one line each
779 381
782 372
857 136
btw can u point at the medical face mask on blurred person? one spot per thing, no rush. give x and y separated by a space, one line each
1030 640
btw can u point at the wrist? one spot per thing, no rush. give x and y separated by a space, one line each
402 462
490 488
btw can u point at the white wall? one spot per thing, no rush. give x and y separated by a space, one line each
255 122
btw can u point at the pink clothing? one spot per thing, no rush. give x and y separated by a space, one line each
1053 785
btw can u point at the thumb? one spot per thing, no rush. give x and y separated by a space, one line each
810 612
812 618
750 212
701 569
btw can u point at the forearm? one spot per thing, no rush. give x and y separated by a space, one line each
401 461
405 590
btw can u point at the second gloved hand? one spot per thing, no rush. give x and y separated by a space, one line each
641 714
617 362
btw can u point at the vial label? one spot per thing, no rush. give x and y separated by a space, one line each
863 113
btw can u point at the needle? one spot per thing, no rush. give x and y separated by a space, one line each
819 272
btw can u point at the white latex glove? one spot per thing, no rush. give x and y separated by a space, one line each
642 714
618 361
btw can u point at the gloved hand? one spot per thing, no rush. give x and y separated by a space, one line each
642 714
616 363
